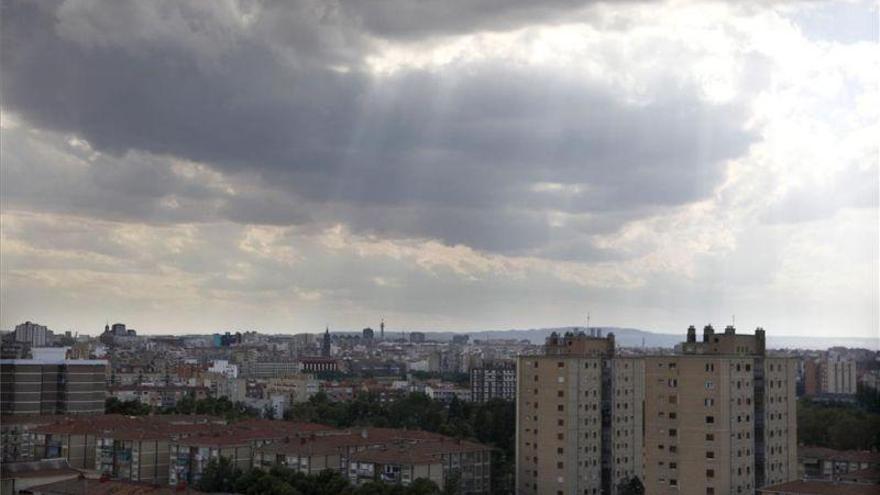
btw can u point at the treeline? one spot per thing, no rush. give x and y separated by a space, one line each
456 377
222 407
220 476
838 427
492 423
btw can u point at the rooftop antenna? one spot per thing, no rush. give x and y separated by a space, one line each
588 320
733 320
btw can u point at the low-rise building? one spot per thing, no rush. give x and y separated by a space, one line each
19 477
297 388
18 437
445 393
397 464
830 464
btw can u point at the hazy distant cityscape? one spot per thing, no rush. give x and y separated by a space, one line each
392 408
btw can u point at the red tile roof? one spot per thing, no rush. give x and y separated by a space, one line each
84 486
839 455
819 487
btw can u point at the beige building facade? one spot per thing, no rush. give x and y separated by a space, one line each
720 417
579 417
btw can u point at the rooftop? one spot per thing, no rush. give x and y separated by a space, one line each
86 486
842 455
819 487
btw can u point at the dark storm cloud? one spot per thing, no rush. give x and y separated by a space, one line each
455 155
408 20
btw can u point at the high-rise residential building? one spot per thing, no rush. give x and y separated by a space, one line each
720 418
31 333
830 375
52 386
493 380
578 417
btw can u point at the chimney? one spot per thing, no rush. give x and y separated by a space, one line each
692 334
708 333
761 337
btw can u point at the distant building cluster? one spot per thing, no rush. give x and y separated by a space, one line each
714 415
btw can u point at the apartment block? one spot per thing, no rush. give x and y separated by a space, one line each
579 417
720 418
18 437
493 380
830 375
32 333
52 386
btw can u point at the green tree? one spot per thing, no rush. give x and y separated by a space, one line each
422 486
219 476
632 486
452 483
128 408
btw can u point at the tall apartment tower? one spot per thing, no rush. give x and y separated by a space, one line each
578 417
32 333
830 375
720 417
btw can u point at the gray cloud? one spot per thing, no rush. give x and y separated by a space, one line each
454 157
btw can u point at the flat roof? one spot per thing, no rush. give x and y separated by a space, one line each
66 362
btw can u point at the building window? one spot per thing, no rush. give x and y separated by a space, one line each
710 419
710 437
710 473
710 454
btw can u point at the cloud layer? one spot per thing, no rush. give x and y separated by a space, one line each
444 165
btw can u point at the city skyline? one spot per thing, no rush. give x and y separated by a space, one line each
194 167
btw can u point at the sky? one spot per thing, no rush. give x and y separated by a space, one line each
191 166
